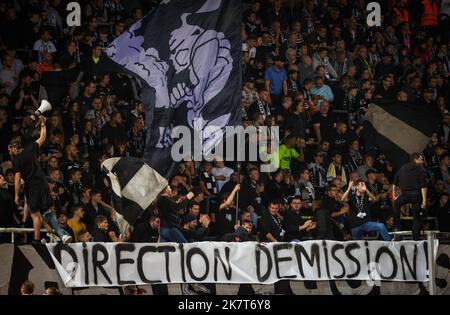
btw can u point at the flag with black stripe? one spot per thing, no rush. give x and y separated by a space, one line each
399 129
135 185
187 55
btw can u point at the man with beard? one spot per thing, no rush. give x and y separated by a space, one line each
296 228
271 226
148 231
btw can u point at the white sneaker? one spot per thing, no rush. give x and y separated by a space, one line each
66 239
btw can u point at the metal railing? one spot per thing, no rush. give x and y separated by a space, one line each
431 239
53 238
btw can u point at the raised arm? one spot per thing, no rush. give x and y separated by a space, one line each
230 197
424 197
372 198
345 195
43 134
17 178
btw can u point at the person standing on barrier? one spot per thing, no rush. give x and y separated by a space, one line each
26 165
412 179
37 194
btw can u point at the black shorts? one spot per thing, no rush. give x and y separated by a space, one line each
38 197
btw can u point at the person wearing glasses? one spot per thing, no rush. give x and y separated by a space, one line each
325 214
412 179
296 227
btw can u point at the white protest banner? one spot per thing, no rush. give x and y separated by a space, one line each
120 264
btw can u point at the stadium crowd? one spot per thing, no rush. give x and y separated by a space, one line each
310 67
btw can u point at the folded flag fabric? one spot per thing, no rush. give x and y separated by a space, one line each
135 185
399 129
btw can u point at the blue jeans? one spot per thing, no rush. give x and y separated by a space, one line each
50 218
254 217
369 227
171 235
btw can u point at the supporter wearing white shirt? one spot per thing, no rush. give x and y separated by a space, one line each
8 79
221 173
44 45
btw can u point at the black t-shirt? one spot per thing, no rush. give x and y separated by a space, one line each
376 188
225 221
326 125
90 213
443 216
143 233
113 134
210 182
292 221
168 212
411 177
100 235
5 136
85 103
359 209
385 94
273 225
195 235
6 208
340 142
27 164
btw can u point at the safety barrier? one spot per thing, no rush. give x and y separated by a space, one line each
53 238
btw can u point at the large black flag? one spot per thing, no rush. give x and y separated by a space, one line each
399 129
187 55
135 185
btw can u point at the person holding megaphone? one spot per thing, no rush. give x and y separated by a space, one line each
27 167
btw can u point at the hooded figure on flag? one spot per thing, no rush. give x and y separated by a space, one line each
187 56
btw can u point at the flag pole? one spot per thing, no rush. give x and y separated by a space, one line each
237 193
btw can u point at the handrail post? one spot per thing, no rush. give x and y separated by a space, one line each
431 262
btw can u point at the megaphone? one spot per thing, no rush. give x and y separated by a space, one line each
45 107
